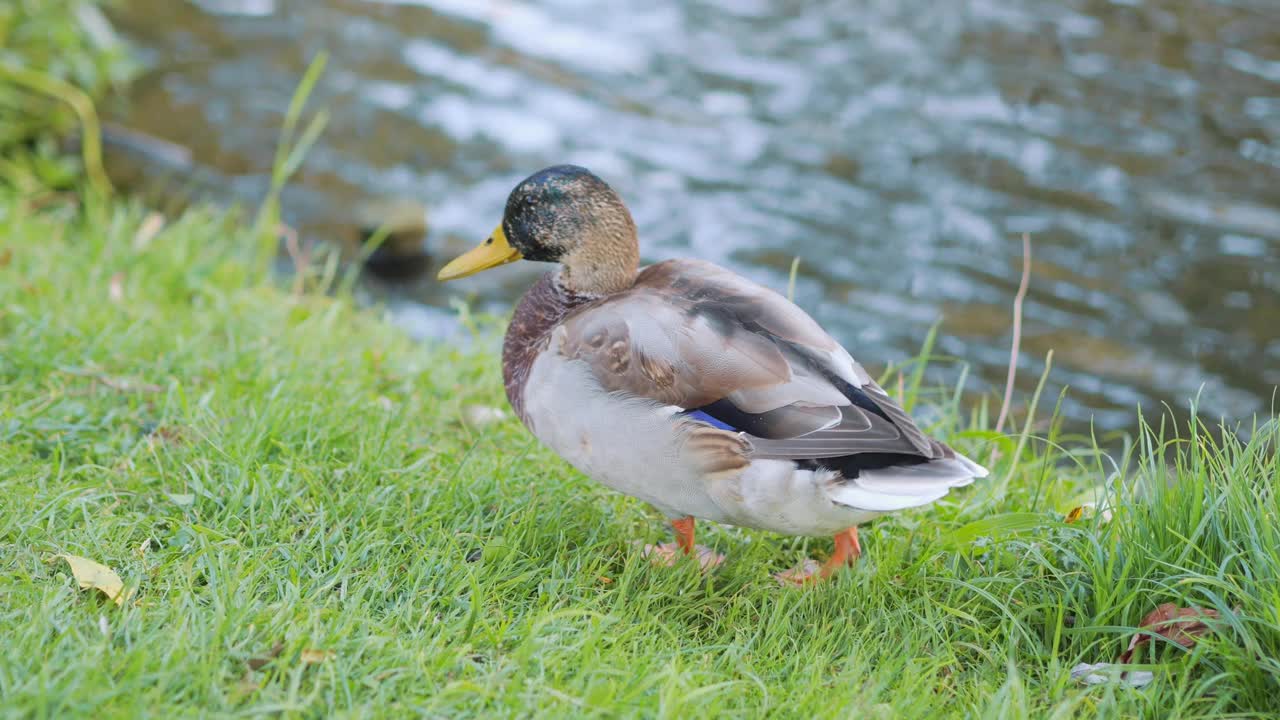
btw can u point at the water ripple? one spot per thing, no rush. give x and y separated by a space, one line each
897 148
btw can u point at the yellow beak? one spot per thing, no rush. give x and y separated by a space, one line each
490 254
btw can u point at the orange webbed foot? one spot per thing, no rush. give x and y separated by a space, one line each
667 554
848 549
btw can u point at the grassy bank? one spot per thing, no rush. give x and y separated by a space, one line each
274 473
304 526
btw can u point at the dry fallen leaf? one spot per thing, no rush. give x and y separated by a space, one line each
6 255
147 545
248 684
1089 504
115 287
315 657
96 575
1097 674
1177 624
257 663
147 231
166 434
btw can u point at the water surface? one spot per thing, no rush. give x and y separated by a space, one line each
897 147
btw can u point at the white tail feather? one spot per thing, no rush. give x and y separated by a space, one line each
905 486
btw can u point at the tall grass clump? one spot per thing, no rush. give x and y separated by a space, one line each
56 58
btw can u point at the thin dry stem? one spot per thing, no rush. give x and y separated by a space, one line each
301 256
1017 331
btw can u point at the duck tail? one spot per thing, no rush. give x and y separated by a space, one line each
898 487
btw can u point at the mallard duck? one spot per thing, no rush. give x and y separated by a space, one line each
694 389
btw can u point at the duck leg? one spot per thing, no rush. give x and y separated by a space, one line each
667 554
848 549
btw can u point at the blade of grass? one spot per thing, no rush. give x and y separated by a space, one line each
1026 425
82 105
791 279
289 155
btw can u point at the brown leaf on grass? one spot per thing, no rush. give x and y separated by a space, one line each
1088 510
166 434
257 663
147 546
95 575
147 231
115 288
1177 624
1089 504
248 684
315 657
6 256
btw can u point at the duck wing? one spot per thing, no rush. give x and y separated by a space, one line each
730 352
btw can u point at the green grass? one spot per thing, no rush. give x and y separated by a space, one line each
55 57
271 468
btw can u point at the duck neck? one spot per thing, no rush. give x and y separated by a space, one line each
608 262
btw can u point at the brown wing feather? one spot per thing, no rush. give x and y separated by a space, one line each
694 335
640 344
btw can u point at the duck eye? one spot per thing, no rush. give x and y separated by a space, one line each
489 241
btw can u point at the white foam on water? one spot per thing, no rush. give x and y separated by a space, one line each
533 31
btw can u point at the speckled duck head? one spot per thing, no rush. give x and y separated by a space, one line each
562 214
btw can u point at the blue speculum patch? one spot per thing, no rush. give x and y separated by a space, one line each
703 417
